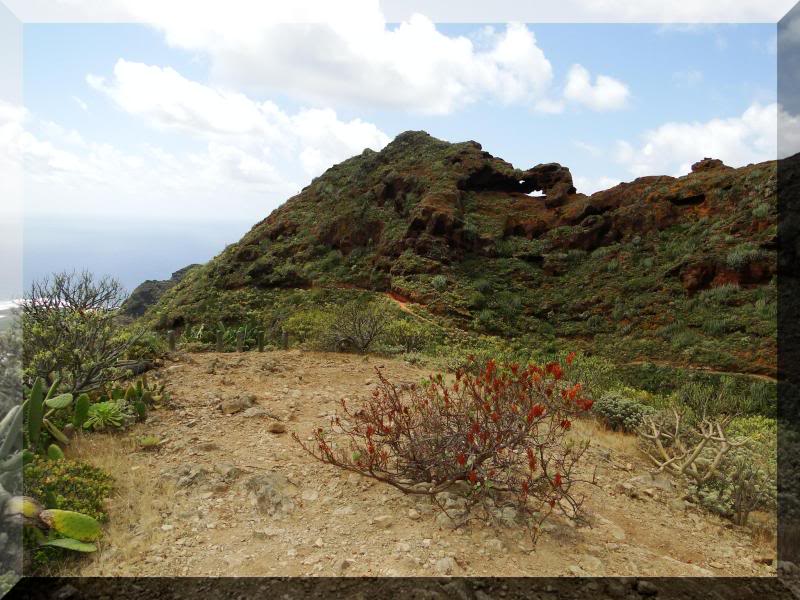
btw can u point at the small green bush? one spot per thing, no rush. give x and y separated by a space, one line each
356 325
410 336
307 325
620 412
68 485
761 211
439 283
743 254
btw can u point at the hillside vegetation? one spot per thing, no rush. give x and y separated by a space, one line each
662 270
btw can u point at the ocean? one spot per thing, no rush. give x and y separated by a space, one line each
129 250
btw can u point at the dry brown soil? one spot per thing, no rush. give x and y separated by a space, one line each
185 509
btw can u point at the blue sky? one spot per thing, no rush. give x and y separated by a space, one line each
148 147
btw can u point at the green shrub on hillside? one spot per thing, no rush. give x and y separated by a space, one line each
439 283
356 325
71 333
66 485
410 336
743 254
308 325
620 412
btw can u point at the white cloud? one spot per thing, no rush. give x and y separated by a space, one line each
67 176
590 185
350 54
83 106
549 106
169 101
673 147
606 93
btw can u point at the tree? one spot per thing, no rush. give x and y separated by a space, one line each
70 330
356 325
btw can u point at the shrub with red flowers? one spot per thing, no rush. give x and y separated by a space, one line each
497 436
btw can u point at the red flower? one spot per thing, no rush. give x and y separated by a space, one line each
370 430
566 424
531 460
555 370
570 357
514 368
536 411
557 480
473 476
495 417
461 459
525 487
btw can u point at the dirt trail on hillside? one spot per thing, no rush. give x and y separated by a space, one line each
705 370
230 494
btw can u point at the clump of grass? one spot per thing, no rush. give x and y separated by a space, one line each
742 255
719 295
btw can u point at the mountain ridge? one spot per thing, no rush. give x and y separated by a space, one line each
644 259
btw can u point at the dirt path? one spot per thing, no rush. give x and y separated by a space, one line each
666 363
201 505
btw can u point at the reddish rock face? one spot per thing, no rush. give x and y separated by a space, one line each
710 273
707 164
434 203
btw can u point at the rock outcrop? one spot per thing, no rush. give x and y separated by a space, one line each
149 292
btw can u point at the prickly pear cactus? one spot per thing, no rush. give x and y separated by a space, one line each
81 411
35 412
71 524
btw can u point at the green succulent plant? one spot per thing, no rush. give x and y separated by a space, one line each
105 415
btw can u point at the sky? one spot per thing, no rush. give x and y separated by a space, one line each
149 147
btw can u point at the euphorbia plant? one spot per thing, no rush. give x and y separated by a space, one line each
501 431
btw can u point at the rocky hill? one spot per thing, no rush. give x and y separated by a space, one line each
663 269
149 292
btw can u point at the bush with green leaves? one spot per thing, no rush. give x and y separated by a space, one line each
726 473
58 486
439 283
620 412
406 335
70 331
745 481
69 485
356 324
308 325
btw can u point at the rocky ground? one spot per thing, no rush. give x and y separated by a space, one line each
230 493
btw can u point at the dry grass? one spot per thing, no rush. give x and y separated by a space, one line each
134 510
763 529
622 443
